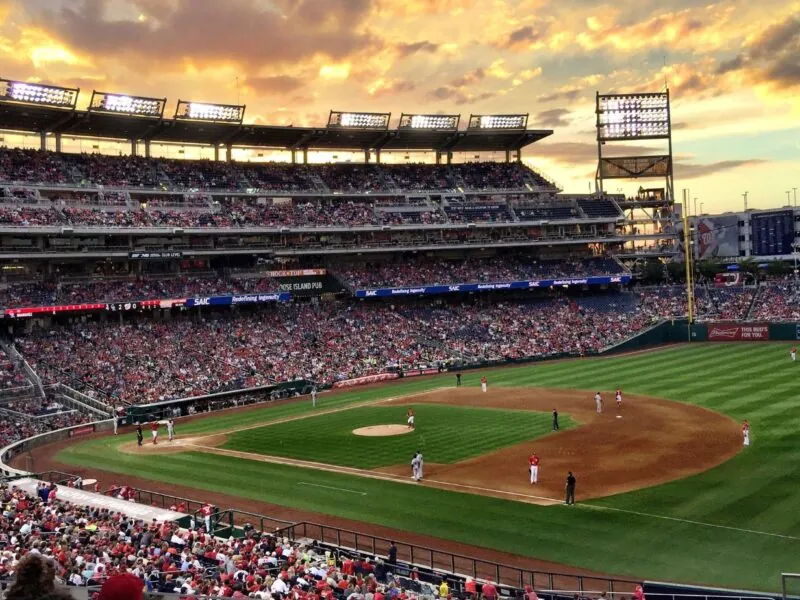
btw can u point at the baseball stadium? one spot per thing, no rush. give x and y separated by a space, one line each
312 379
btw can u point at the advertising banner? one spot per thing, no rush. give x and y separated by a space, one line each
483 287
736 332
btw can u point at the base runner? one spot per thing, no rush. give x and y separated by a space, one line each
171 430
746 433
598 400
533 467
154 431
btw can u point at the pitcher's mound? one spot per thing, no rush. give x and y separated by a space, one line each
382 430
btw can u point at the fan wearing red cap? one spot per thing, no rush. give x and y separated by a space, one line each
122 587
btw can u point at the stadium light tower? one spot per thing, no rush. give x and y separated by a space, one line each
429 122
358 120
504 122
627 117
121 104
34 93
202 111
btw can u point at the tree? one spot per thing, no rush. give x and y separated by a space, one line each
652 271
778 268
676 270
709 267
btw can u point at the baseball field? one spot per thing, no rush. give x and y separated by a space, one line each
665 492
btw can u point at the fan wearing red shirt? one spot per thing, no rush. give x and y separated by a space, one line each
154 431
533 466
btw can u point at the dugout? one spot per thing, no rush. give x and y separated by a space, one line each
183 407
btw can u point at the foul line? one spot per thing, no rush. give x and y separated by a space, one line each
328 487
689 521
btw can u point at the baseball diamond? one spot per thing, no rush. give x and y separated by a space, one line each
682 428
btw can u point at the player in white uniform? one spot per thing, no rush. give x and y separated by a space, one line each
314 396
420 465
415 468
618 398
410 418
793 353
598 400
746 433
170 430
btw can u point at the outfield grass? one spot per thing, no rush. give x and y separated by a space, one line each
444 434
735 525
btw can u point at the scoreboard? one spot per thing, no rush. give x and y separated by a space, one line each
772 233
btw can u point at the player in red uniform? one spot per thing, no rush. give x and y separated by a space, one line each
484 383
618 397
533 466
154 431
746 433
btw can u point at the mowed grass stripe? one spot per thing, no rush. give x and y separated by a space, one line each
444 434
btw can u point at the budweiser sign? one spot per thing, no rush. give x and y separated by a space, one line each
733 332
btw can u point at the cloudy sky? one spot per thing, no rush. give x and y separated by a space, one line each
733 69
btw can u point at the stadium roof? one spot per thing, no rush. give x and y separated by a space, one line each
48 119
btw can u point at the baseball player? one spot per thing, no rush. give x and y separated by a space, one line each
116 422
420 465
410 418
484 383
415 468
618 398
207 511
139 434
746 433
314 396
793 353
171 430
598 400
533 466
154 431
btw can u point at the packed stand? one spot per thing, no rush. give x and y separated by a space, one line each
36 167
477 210
324 343
61 545
21 418
421 271
710 303
50 294
777 301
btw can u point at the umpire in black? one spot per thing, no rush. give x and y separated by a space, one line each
570 487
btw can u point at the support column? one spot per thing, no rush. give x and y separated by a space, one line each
449 158
366 157
133 147
438 157
147 148
305 156
216 152
508 156
42 141
294 156
378 156
229 150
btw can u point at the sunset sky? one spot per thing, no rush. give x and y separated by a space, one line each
733 69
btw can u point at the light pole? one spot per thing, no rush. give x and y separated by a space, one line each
795 197
701 207
745 200
695 206
788 201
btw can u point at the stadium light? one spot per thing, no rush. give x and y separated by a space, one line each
199 111
440 122
498 122
633 116
355 120
127 105
32 93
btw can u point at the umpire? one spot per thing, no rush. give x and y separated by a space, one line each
570 487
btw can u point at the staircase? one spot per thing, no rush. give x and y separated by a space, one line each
753 303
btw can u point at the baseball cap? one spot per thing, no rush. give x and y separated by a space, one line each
122 587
